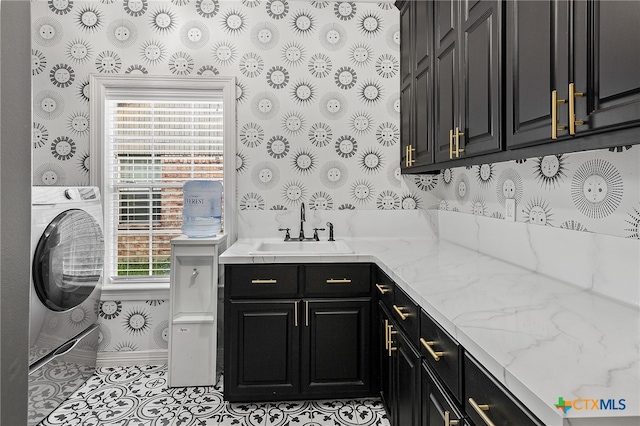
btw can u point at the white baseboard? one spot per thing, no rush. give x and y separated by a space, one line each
126 358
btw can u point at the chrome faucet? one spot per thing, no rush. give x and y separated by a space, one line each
302 220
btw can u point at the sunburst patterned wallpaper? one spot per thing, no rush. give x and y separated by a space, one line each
318 120
595 191
317 90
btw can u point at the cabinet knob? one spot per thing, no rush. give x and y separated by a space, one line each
195 273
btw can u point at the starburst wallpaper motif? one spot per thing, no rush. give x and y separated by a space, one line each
317 85
318 120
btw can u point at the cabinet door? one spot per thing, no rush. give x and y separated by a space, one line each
336 339
537 63
445 71
261 350
386 363
480 101
437 408
406 374
423 83
607 64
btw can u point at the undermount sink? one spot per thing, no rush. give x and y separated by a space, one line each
300 248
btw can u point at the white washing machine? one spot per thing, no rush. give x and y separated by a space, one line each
67 257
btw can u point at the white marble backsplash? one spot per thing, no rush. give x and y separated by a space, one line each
346 223
605 264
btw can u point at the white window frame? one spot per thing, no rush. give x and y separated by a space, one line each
104 86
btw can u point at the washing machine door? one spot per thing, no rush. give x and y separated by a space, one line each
68 260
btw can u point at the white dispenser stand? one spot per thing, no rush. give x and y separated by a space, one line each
193 310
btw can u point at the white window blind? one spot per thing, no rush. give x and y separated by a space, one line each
154 147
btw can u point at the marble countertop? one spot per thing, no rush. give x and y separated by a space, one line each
541 338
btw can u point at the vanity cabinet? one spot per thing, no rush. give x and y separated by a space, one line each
193 305
298 331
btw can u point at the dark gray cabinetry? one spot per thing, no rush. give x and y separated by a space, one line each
467 85
416 64
583 51
437 406
486 399
298 331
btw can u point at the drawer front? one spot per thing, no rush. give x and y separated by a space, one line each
407 314
500 407
385 289
437 406
262 281
338 279
442 353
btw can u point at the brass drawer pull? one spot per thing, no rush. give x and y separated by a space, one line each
403 316
427 345
272 281
386 334
448 421
342 281
295 313
554 114
390 333
382 289
480 409
572 109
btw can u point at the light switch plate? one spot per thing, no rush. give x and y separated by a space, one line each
510 209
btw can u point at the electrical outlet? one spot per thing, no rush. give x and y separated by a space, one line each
510 209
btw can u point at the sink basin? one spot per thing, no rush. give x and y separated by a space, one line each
300 248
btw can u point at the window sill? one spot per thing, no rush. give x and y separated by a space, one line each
138 291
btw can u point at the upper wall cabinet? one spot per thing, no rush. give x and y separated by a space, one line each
467 78
572 69
416 63
517 79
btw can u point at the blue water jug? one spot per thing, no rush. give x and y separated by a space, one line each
202 208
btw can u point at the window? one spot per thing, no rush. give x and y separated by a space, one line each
153 140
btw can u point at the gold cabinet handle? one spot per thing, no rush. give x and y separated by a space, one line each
427 345
554 114
382 289
448 421
450 144
342 281
480 409
572 108
406 156
306 313
386 334
458 149
295 313
399 309
410 151
390 333
264 281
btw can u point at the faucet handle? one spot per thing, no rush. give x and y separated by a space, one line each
330 225
287 236
315 233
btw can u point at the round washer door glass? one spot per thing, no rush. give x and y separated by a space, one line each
68 260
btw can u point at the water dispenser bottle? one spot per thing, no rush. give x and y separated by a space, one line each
202 209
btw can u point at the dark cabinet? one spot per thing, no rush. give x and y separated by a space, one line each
607 65
467 78
485 399
572 69
284 340
335 342
399 372
416 81
437 407
262 353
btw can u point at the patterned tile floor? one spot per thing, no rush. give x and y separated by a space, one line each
136 396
